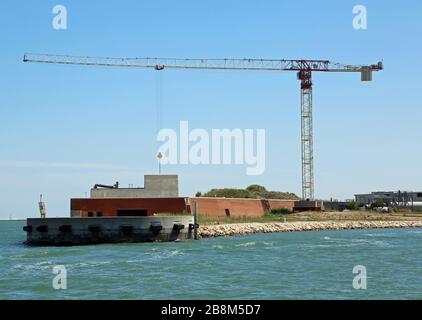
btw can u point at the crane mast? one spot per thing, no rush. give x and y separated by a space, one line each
307 138
304 69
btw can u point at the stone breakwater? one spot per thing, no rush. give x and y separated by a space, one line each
224 230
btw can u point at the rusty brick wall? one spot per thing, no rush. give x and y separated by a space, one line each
109 207
238 207
277 204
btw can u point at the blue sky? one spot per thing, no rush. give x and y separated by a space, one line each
65 128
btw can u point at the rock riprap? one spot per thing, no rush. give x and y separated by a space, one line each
223 230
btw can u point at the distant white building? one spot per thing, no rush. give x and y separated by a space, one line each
391 198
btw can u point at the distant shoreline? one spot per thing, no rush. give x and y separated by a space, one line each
238 229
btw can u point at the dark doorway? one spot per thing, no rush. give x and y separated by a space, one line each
132 213
227 213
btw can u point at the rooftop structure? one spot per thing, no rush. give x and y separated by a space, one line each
155 186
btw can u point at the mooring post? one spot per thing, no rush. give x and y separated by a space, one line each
41 205
195 220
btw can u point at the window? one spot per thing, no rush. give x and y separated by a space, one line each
90 214
419 195
227 213
99 214
132 213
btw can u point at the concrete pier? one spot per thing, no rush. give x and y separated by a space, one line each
83 231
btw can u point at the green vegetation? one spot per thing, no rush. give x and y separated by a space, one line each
207 220
254 191
314 216
281 211
228 193
377 204
352 206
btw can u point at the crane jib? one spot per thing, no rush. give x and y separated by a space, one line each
204 64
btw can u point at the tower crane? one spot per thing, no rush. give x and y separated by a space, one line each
304 69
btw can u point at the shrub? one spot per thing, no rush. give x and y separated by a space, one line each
352 205
228 193
254 191
377 204
280 195
256 188
280 211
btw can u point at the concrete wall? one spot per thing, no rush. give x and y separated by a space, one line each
305 205
238 207
155 186
336 205
109 230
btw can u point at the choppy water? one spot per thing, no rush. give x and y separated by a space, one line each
308 265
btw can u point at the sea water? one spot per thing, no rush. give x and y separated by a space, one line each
299 265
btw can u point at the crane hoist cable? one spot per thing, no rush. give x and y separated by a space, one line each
159 100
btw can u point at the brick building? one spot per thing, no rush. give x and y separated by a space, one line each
161 195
